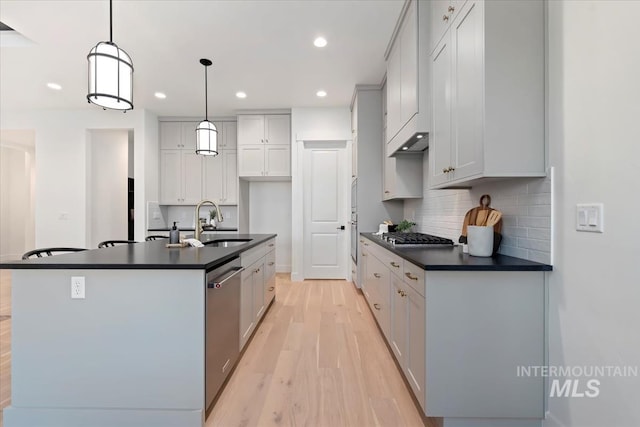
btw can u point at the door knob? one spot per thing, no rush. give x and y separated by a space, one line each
340 228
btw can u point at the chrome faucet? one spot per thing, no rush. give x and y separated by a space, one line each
198 227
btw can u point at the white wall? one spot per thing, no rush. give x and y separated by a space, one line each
311 124
16 197
61 167
107 175
270 212
594 64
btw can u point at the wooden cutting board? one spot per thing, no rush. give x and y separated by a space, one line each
479 216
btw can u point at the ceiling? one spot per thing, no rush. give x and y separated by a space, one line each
262 47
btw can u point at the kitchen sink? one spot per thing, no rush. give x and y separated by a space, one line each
223 243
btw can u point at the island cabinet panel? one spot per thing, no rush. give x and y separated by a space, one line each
257 287
459 335
106 358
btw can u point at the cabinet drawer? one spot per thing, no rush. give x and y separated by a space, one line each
414 277
270 245
269 277
392 261
252 255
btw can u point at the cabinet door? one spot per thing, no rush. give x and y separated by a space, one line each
189 136
415 351
170 177
213 187
170 135
409 65
277 129
250 129
230 193
440 137
389 184
467 136
399 319
250 160
270 277
230 135
191 177
247 321
393 92
258 290
277 160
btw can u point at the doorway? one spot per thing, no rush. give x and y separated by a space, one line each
325 186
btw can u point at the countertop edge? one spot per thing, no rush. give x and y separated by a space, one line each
524 265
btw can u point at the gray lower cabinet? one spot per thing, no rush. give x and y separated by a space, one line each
257 287
459 336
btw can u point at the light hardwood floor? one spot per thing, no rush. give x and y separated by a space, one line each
317 359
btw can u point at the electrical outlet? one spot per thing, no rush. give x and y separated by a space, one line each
77 287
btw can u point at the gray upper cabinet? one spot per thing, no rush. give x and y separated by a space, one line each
488 94
407 98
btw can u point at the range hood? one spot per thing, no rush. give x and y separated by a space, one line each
416 144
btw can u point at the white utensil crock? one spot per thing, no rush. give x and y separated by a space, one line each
480 240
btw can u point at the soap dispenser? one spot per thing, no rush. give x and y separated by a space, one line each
174 234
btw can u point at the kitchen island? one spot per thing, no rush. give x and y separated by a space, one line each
132 352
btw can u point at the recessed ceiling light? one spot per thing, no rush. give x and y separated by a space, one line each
420 136
321 93
405 148
320 42
241 95
54 86
160 95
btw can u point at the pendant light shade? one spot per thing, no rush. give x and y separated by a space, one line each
110 74
206 132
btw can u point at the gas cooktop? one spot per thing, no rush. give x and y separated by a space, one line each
416 239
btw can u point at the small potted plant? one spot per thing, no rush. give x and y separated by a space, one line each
405 226
212 217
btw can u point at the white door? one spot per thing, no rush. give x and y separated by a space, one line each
326 177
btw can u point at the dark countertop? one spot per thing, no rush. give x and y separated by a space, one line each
192 229
146 255
452 258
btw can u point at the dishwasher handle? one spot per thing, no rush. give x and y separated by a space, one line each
223 278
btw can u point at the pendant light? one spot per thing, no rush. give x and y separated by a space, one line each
206 132
110 74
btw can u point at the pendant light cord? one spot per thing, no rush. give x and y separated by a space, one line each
206 103
111 21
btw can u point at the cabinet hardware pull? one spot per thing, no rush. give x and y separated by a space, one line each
270 245
410 276
262 140
445 170
257 270
364 254
393 264
403 294
271 288
376 275
376 306
366 244
271 263
386 192
451 9
266 141
361 241
445 18
398 291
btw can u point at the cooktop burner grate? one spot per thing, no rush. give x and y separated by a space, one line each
416 239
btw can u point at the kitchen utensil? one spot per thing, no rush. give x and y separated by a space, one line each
476 216
494 217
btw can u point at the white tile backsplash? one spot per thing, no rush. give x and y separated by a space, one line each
524 202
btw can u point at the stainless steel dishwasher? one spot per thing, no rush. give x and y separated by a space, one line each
222 343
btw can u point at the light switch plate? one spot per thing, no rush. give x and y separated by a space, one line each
590 217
